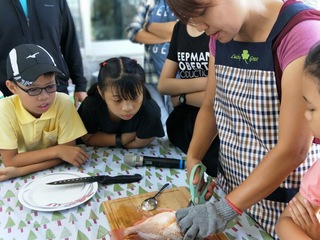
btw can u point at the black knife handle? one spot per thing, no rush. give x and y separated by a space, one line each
121 179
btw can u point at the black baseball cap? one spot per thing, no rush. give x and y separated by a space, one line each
27 62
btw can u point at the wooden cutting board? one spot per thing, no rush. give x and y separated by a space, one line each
125 212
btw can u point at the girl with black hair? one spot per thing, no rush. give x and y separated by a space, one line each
119 110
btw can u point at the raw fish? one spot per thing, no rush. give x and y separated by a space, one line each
161 226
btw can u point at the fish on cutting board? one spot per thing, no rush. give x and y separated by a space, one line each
161 226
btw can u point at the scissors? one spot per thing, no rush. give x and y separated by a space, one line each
196 196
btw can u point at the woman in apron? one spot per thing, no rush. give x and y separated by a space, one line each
265 143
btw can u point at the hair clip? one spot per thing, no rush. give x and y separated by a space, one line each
103 64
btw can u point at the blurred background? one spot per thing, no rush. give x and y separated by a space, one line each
101 30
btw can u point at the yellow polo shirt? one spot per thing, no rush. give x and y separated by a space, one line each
20 130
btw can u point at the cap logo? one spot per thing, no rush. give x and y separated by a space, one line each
33 55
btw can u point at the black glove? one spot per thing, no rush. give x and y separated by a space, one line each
198 222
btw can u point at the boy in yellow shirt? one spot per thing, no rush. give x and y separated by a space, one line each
38 125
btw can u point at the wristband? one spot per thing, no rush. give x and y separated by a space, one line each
237 210
146 25
118 140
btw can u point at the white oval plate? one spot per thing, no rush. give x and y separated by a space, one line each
38 195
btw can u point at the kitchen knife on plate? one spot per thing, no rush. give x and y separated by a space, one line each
103 179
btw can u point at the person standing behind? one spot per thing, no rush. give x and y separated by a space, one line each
265 142
184 78
38 126
153 26
119 110
49 24
299 219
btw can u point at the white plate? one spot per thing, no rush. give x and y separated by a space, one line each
38 195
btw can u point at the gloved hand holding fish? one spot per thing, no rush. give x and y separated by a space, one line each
203 218
198 221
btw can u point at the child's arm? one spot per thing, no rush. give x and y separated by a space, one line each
304 214
128 140
138 142
67 152
298 220
13 172
100 139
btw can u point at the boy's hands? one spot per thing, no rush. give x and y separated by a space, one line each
72 154
305 217
8 173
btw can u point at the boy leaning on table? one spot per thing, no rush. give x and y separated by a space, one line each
38 125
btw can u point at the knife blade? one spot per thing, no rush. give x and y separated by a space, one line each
103 179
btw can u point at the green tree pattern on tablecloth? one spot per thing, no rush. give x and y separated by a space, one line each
94 156
102 232
10 223
230 237
158 175
72 218
148 174
107 169
147 183
29 217
65 234
57 216
88 225
97 172
93 216
251 221
9 194
101 209
81 236
108 193
130 186
80 210
129 193
141 190
265 236
117 188
17 185
21 225
50 234
173 172
163 151
32 236
93 164
9 210
232 223
102 160
106 154
88 221
125 167
36 225
115 158
18 204
44 220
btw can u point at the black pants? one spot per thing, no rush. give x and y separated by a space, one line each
180 125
